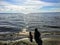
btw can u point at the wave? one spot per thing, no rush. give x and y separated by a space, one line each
15 22
51 26
9 29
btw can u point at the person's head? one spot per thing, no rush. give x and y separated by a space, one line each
36 29
29 32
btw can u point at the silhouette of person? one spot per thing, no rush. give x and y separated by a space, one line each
5 44
37 37
30 37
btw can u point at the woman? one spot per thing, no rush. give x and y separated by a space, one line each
30 37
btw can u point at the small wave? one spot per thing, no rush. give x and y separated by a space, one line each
51 26
9 29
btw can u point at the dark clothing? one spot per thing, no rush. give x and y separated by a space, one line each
37 34
37 37
31 37
40 42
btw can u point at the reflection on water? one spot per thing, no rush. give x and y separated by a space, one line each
16 21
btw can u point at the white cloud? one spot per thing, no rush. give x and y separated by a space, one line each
29 6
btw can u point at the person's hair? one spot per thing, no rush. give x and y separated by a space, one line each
29 32
36 29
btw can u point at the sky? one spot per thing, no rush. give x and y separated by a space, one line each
29 6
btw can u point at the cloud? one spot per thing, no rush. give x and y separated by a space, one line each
30 6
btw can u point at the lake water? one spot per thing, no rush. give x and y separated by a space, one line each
14 22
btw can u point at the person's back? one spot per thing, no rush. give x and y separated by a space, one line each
37 34
37 37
